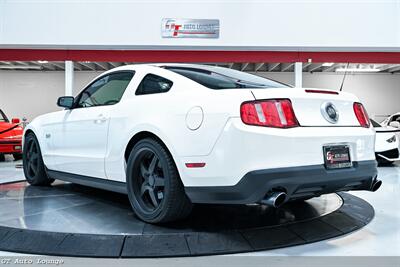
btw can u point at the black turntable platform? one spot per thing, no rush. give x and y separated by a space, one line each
72 220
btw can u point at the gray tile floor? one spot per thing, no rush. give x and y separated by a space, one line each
379 238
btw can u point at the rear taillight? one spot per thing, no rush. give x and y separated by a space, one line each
361 114
276 113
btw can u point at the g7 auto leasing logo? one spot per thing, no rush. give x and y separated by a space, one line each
190 28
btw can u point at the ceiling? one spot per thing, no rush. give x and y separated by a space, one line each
248 67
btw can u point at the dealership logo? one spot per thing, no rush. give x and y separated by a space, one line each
190 28
329 112
330 157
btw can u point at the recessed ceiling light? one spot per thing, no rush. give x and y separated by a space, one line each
43 61
328 64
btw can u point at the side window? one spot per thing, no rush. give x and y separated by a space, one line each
153 84
107 90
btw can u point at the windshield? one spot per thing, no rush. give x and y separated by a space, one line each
3 117
224 78
375 124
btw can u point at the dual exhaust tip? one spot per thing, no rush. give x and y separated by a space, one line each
277 199
375 185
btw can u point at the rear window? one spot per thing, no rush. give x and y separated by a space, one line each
3 117
224 78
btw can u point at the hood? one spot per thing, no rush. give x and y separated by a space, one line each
15 133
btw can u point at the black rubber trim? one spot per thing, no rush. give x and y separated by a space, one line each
352 215
390 131
105 184
10 142
297 182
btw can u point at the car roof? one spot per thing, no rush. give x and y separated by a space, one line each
160 65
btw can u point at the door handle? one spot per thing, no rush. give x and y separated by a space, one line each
100 119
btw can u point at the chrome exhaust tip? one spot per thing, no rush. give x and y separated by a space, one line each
276 199
376 184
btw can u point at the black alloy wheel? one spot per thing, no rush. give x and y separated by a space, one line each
155 190
150 180
32 158
34 169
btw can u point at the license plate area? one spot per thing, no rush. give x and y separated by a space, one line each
337 157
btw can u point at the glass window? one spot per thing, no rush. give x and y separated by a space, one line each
395 118
224 78
3 116
153 84
375 124
108 90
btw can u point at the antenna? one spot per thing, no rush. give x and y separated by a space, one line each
344 76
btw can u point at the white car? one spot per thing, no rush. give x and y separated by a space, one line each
386 143
170 135
393 121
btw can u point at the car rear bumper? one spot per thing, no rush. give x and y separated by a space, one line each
297 182
241 149
10 147
389 155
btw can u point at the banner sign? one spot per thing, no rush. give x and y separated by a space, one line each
190 28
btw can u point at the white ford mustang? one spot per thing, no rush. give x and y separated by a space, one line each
170 135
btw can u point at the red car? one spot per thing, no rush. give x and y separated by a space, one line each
10 137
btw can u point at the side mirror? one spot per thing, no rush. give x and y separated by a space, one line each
15 120
65 102
395 124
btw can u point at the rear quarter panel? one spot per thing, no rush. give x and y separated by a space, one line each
165 115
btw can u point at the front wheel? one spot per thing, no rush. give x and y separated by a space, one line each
155 190
34 169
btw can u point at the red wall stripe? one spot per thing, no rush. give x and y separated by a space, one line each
196 56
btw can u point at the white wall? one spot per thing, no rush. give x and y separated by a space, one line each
285 25
31 93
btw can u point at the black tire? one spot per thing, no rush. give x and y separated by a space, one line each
17 156
155 190
2 158
34 169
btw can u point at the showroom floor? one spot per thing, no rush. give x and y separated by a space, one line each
381 237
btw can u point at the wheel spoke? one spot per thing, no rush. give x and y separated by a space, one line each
34 157
143 189
153 197
143 171
31 147
35 163
32 169
153 164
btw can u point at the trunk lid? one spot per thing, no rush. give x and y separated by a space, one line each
310 107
